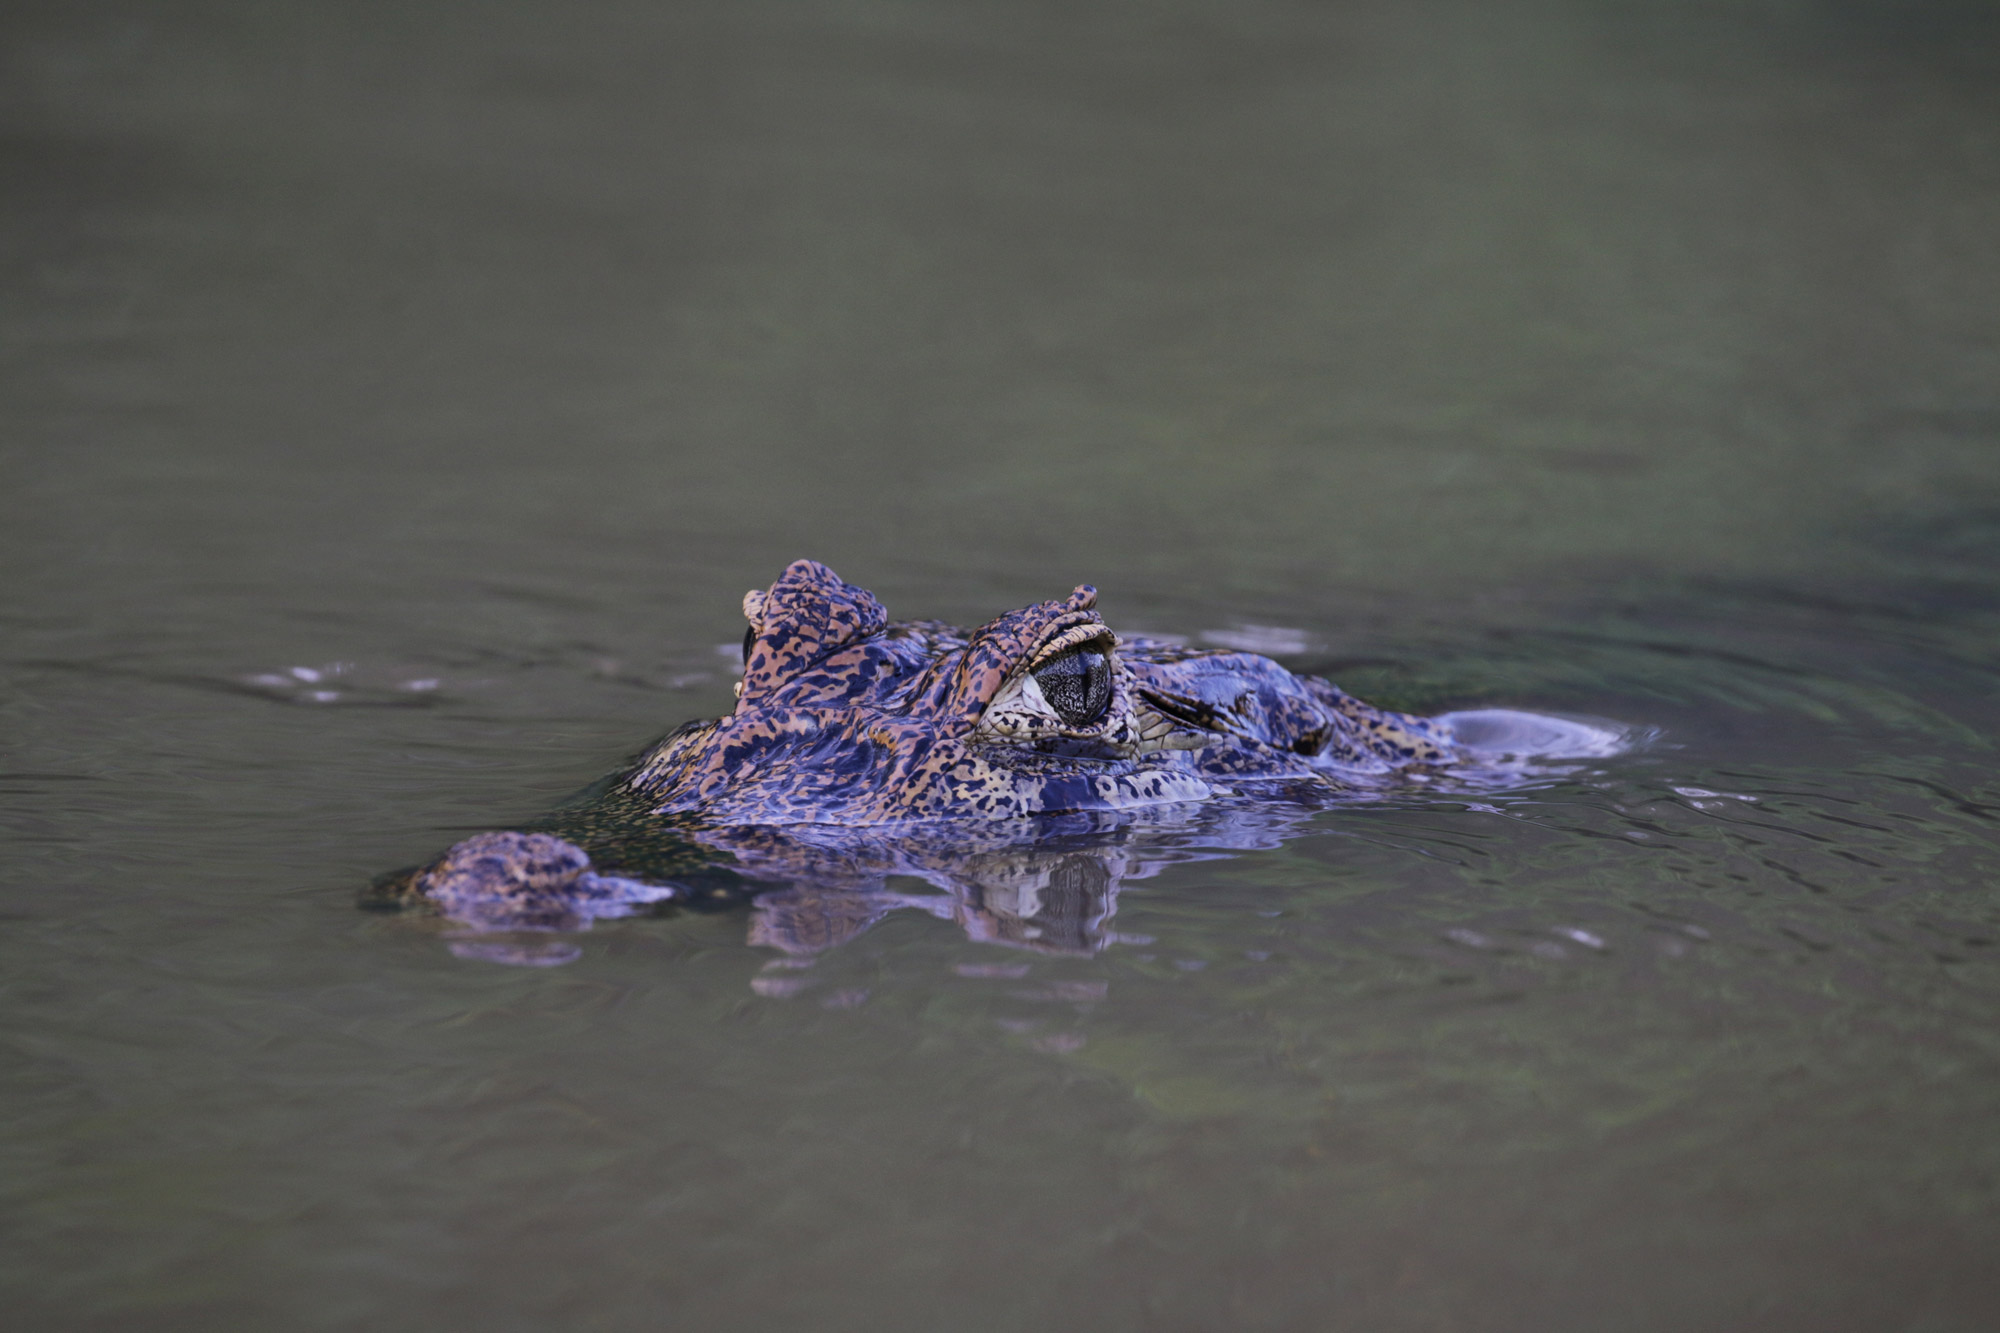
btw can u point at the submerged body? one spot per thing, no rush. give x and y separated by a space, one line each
855 740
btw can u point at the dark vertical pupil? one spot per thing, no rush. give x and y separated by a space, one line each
749 642
1077 685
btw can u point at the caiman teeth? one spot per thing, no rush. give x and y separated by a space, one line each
1074 636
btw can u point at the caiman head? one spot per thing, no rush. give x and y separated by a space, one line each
843 718
847 726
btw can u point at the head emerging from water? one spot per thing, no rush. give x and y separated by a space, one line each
845 718
991 763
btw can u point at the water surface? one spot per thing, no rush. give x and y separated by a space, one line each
399 398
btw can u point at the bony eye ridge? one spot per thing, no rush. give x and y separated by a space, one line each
1077 684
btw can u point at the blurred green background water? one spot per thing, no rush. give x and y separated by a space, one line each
1633 359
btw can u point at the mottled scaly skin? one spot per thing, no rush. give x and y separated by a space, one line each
844 719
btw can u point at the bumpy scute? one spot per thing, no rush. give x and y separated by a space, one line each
809 614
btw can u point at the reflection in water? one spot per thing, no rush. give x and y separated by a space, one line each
518 953
1055 896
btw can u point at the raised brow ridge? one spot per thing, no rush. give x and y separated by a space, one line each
961 684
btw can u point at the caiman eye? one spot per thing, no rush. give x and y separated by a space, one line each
1077 685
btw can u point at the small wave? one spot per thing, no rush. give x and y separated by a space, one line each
340 683
1507 733
1505 747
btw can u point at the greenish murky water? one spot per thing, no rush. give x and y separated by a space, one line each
395 401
